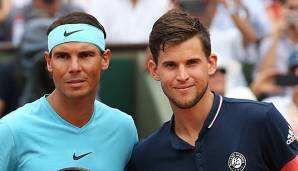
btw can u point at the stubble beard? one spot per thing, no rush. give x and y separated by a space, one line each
187 104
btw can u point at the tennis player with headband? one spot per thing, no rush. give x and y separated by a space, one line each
69 129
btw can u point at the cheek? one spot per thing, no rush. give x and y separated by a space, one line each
167 78
199 74
166 82
56 76
58 72
95 72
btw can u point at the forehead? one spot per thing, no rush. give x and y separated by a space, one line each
74 47
187 49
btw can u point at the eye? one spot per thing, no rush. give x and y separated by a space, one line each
61 56
192 62
86 54
169 65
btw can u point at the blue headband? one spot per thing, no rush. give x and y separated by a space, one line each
76 33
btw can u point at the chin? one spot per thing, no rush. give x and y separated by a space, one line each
78 94
186 104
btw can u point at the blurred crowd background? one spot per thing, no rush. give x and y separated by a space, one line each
256 42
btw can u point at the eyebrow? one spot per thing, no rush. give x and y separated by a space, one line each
60 53
193 60
188 60
164 63
88 51
93 51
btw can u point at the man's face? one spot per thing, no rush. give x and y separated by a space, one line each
291 7
183 71
76 68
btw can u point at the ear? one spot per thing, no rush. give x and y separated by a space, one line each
106 59
148 56
48 60
152 67
212 64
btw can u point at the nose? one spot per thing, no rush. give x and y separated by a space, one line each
75 64
182 74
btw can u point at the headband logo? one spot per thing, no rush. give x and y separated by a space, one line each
76 33
69 33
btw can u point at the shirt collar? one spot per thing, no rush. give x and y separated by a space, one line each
178 143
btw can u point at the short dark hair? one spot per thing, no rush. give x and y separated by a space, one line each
174 27
74 18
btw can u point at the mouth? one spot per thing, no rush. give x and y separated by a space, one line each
75 82
183 87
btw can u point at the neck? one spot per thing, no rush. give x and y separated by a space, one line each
75 111
189 122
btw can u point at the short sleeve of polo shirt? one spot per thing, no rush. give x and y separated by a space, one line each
279 140
7 148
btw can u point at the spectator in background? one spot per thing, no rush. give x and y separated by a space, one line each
47 8
20 3
276 49
127 21
38 9
288 104
218 84
250 18
263 84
